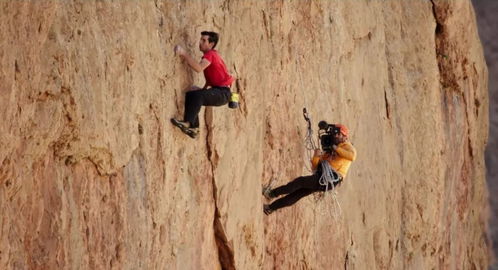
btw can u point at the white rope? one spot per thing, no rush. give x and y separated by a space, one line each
298 64
310 146
309 143
330 177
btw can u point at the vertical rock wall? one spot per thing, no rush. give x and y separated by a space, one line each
488 23
93 175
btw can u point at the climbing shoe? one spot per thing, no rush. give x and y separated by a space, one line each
267 209
179 123
184 127
192 132
267 192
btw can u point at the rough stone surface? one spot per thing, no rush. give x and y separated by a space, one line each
488 23
93 175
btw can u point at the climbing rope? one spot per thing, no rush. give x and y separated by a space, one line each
298 64
330 177
309 142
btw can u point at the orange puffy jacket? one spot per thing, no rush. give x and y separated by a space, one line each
345 153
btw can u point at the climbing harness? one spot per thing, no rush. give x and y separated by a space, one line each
329 175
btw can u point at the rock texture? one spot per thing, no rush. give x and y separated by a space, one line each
93 175
488 23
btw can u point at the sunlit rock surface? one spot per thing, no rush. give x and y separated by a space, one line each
94 176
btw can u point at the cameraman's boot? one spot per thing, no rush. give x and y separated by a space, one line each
268 192
266 209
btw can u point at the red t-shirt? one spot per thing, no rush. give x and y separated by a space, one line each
216 73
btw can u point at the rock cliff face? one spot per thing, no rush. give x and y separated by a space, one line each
93 175
488 23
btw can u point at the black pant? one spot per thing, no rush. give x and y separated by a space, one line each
215 96
297 189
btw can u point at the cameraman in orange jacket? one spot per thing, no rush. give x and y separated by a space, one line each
338 153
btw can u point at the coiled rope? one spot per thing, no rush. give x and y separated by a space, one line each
329 178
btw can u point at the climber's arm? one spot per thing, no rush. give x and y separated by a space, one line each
197 66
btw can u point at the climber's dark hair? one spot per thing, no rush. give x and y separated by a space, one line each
213 37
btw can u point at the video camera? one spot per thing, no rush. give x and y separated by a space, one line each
327 133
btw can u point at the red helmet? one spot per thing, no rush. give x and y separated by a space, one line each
344 130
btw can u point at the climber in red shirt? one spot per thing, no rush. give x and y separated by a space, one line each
216 91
